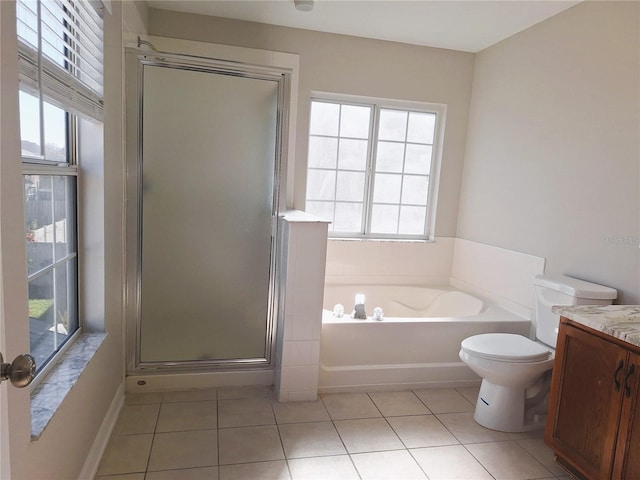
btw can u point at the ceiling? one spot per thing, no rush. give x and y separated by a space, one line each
466 25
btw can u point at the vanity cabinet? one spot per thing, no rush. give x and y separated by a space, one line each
593 424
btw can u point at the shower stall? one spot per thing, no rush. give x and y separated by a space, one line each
206 146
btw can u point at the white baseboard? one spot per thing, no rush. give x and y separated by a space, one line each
102 438
398 386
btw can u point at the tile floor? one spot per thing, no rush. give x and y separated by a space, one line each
243 433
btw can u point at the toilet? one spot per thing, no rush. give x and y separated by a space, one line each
515 370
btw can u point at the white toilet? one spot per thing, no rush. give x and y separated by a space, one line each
515 370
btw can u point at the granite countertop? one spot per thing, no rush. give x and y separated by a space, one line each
620 321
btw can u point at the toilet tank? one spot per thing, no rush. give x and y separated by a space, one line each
563 290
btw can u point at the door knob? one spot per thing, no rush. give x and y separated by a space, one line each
20 372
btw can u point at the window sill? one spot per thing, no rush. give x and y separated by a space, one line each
381 240
49 395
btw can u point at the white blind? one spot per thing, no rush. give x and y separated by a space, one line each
61 52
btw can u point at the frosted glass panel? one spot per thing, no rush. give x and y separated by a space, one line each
421 127
207 204
353 154
393 125
418 159
384 218
355 121
323 152
387 188
321 184
415 189
325 118
390 157
350 186
412 220
347 218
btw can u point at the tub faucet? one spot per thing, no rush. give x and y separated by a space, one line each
358 310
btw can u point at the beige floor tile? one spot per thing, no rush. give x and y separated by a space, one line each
126 476
467 430
137 419
245 412
254 391
450 463
444 400
368 435
538 450
173 450
176 417
276 470
297 412
398 403
206 473
421 431
470 393
194 395
508 461
310 440
126 454
249 444
343 406
142 398
398 464
323 468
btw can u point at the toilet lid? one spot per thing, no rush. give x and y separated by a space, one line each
506 347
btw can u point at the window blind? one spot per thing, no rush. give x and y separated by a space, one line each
60 49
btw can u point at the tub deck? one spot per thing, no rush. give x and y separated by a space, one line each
402 352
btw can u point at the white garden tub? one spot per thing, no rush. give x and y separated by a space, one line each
415 345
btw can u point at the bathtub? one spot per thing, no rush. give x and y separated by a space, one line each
416 344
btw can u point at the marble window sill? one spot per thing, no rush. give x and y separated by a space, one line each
47 397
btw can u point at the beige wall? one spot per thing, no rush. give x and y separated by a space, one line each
551 164
552 158
358 66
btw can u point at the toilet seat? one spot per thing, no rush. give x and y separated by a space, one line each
505 347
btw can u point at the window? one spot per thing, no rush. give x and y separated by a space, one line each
372 166
60 62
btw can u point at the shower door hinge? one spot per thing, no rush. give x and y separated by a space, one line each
274 226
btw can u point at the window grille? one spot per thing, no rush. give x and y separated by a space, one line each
372 166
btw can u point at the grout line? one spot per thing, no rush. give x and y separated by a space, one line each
271 402
477 459
447 429
218 432
341 439
284 452
532 456
417 462
422 402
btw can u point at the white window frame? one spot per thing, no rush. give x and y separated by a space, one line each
78 90
440 110
41 167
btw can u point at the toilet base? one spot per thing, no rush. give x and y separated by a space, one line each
503 408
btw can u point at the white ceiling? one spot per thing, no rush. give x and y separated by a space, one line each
466 25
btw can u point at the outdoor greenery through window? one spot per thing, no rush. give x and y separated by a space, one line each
372 167
60 66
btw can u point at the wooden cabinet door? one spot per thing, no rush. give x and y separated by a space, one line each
584 403
627 464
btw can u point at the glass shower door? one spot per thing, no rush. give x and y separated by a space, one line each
207 201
